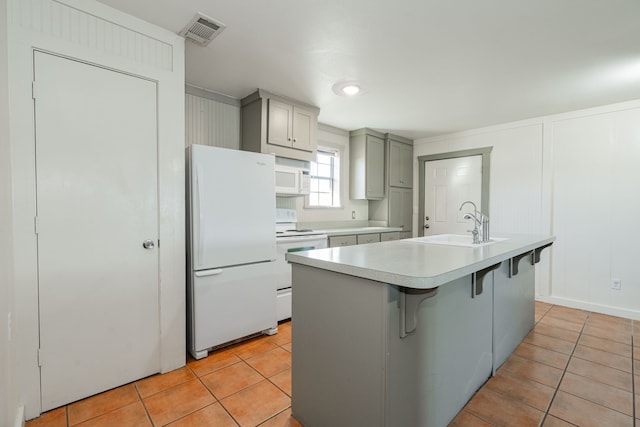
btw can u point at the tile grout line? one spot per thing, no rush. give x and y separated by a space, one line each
214 396
634 421
146 411
564 371
276 386
273 416
536 322
527 404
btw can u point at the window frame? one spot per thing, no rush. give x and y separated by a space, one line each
338 151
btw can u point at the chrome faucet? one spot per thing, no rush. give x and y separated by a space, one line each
480 223
477 227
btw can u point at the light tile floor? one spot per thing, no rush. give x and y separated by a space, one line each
575 368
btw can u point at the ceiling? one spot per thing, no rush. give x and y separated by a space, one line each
427 67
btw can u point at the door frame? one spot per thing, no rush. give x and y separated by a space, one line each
485 152
164 66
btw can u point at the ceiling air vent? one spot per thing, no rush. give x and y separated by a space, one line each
202 29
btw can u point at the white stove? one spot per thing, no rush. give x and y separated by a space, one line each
291 239
287 224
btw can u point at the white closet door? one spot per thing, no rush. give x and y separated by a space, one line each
96 165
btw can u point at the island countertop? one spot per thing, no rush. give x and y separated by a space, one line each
414 264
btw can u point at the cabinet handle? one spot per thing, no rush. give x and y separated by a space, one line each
289 139
295 140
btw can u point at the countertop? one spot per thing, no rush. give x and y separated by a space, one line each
416 265
357 230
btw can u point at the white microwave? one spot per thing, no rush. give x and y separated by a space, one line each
292 180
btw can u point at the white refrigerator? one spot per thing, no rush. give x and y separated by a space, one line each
231 248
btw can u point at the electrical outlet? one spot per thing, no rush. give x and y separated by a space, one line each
616 284
353 214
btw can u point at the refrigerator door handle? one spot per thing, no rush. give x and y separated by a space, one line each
206 273
199 217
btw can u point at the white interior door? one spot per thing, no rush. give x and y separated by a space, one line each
449 183
96 165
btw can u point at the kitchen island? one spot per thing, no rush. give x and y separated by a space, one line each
403 333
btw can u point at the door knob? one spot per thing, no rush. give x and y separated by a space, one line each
148 244
426 226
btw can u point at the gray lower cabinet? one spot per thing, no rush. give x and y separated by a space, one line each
368 238
400 207
514 307
335 241
361 239
349 355
387 237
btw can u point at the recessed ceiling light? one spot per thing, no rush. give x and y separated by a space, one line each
346 88
351 89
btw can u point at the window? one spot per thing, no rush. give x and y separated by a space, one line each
325 179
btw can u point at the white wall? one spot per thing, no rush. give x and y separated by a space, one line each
596 200
572 175
92 32
8 391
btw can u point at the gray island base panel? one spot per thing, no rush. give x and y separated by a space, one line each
370 352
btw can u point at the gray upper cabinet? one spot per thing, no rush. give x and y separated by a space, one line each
275 124
291 126
400 163
396 207
366 164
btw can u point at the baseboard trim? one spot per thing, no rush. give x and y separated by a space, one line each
588 306
19 417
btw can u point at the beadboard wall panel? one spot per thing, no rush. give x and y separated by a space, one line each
74 26
210 122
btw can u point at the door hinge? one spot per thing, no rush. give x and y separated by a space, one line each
35 224
40 357
33 89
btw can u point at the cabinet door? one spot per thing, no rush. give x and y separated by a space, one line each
368 238
279 123
407 209
387 237
401 208
374 167
304 126
342 241
400 164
